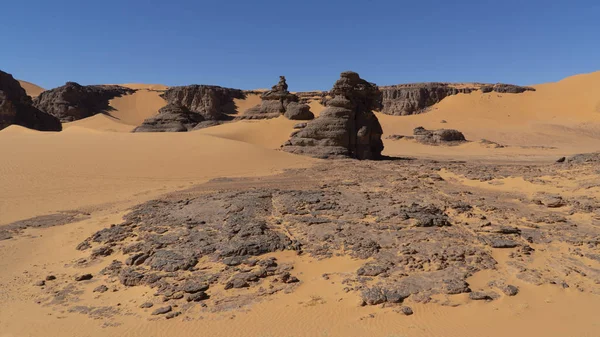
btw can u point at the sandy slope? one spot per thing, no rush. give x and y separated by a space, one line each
100 122
135 108
46 172
31 89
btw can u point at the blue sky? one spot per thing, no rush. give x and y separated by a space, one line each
248 44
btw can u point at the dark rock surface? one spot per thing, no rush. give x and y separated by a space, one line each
279 101
347 128
16 107
505 88
420 235
171 118
416 98
73 101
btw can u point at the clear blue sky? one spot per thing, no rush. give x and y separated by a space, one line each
248 44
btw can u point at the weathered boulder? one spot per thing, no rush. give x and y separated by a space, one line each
347 128
297 111
171 118
438 136
16 108
73 101
278 101
214 103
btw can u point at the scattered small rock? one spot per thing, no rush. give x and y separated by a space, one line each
84 277
146 305
101 289
406 310
173 314
510 290
162 310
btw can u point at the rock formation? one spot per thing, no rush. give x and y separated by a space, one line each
411 99
171 118
16 108
214 103
278 101
193 107
347 128
73 101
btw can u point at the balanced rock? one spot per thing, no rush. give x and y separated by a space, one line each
171 118
278 101
16 108
73 101
347 128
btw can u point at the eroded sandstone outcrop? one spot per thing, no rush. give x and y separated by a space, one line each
73 101
16 108
415 98
279 101
193 107
214 103
347 128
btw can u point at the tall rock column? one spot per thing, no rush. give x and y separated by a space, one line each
347 127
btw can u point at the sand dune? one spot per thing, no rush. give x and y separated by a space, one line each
267 133
142 86
562 114
31 89
99 122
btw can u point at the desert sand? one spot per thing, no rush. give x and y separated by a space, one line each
31 89
97 167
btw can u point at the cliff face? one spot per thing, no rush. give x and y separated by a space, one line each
16 108
73 101
212 102
411 99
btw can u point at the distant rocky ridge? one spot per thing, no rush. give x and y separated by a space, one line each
16 108
415 98
73 101
347 128
279 101
193 107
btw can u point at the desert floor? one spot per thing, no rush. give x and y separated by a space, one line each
97 170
